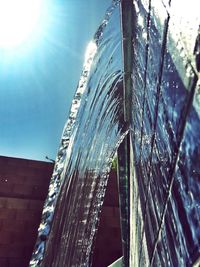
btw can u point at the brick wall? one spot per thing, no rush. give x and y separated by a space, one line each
23 189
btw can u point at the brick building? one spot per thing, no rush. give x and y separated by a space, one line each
23 189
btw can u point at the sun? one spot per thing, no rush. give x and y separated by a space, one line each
18 20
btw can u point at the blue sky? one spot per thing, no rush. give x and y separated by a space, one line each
38 78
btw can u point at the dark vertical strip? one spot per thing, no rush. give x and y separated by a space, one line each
124 195
127 24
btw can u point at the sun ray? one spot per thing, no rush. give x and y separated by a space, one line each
18 20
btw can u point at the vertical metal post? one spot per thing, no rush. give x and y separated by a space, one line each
127 24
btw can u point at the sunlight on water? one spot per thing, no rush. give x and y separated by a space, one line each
90 51
165 140
63 157
89 142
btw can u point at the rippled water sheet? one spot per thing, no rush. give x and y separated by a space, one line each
160 199
89 142
165 133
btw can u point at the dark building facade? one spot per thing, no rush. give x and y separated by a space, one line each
23 189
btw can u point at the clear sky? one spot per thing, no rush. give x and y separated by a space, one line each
38 77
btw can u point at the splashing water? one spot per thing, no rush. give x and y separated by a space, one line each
89 142
164 129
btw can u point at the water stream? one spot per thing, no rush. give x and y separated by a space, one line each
165 133
164 183
90 139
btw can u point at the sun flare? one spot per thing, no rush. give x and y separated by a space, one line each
18 20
